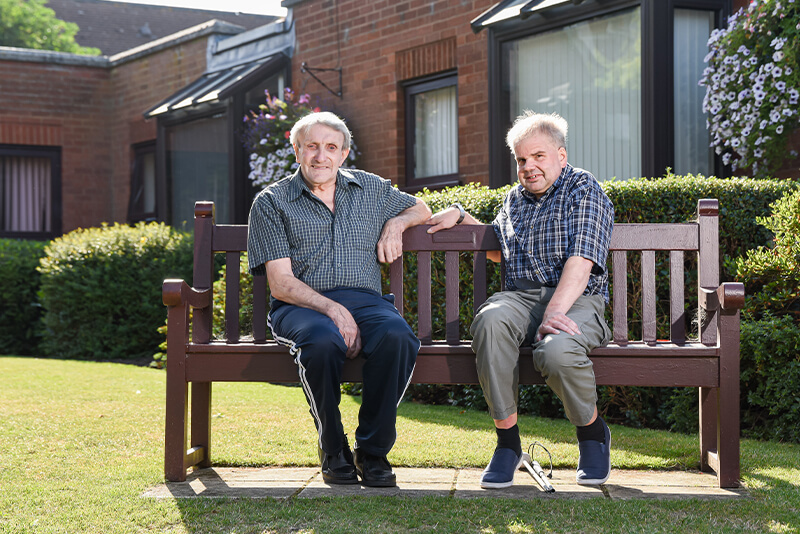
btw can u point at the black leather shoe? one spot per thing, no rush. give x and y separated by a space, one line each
374 471
338 468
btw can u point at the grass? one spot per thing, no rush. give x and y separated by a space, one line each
81 441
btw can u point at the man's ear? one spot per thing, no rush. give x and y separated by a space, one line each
296 151
344 156
562 156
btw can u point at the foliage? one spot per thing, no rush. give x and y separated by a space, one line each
30 24
752 83
770 373
101 289
772 274
266 138
19 308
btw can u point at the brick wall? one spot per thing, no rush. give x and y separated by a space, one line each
66 106
137 87
382 44
94 114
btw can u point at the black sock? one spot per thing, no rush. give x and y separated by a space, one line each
508 438
594 431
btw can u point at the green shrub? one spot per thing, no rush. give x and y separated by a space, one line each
772 274
770 374
101 289
19 307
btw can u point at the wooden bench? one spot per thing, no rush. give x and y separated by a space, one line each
710 363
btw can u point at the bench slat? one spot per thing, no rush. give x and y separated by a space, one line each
424 327
649 296
260 308
232 297
230 238
655 236
396 282
479 280
620 298
451 295
677 308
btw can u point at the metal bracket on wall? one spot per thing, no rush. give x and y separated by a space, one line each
304 68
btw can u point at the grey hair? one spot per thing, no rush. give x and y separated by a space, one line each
529 123
325 118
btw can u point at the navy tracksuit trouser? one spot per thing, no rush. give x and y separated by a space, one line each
389 349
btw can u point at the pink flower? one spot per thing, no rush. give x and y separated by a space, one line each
287 134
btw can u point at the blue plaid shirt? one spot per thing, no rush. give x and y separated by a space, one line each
328 250
574 217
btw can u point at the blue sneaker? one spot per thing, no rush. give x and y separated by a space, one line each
594 464
500 471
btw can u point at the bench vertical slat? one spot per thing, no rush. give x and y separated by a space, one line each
676 296
451 296
260 308
203 267
649 296
620 300
479 277
232 297
424 326
396 282
708 261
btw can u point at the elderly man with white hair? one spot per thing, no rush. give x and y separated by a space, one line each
319 236
554 229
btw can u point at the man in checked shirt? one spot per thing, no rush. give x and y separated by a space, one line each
319 235
554 229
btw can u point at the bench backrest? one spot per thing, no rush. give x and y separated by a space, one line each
675 239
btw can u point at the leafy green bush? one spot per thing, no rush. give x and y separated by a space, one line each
101 289
19 307
770 373
772 274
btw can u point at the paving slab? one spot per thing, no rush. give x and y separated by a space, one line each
307 483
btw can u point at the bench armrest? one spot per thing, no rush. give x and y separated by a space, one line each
728 296
176 292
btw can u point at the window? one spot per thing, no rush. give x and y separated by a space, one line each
589 73
142 205
623 73
692 139
431 132
197 168
30 192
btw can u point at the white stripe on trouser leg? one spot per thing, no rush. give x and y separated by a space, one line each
301 371
410 376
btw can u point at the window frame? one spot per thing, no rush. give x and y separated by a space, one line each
657 97
53 153
138 150
411 88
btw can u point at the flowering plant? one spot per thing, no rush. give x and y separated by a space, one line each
752 81
266 138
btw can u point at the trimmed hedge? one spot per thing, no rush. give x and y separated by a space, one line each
101 289
20 312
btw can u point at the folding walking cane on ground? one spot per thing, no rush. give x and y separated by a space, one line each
536 470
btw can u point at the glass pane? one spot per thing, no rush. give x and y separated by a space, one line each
25 196
274 84
197 168
692 140
590 74
149 182
436 132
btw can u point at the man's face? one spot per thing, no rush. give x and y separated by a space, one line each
539 162
320 154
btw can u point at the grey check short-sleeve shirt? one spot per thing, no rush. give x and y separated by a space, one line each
327 250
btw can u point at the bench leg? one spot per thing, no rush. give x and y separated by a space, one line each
708 426
201 421
728 426
176 428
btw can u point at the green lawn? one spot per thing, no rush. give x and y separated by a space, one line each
81 441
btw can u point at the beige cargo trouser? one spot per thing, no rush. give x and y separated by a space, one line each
509 320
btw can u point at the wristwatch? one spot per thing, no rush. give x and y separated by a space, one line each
461 212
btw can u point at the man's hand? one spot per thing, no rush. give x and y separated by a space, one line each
555 323
348 328
390 245
443 220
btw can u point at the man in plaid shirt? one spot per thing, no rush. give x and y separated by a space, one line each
554 229
319 235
